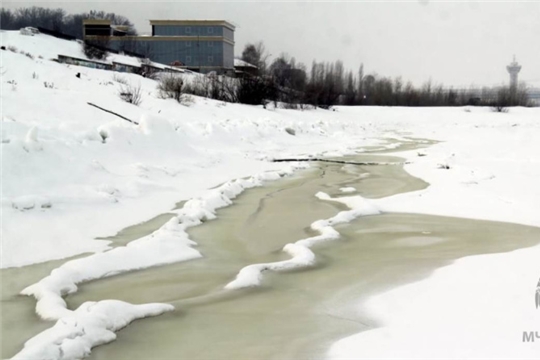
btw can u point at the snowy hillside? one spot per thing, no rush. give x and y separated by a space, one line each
49 47
72 174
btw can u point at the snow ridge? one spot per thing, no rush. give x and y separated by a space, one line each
302 256
94 323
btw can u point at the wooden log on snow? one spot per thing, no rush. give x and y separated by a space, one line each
112 112
363 163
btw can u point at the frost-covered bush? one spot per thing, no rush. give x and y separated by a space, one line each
171 86
224 89
213 87
198 86
131 94
499 108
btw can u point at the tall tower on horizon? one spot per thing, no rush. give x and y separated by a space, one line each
513 69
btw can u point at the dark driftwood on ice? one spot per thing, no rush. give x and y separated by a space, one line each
341 161
112 112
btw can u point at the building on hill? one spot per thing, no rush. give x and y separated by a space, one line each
198 45
243 68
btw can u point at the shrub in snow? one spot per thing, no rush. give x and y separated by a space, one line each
214 87
504 99
48 85
499 108
12 48
96 48
171 86
255 91
131 94
35 76
28 55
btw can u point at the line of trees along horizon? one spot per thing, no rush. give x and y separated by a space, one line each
56 19
328 83
286 81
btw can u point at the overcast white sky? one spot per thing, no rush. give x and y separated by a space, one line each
453 42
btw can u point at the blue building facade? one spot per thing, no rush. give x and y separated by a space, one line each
203 46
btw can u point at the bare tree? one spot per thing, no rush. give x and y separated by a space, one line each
256 54
350 92
56 20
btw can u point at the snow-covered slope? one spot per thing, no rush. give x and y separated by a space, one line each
49 47
72 173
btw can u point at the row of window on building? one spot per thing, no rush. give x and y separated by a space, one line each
209 30
208 43
189 59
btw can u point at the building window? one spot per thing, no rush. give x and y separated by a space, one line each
188 30
188 59
188 43
210 59
210 44
210 30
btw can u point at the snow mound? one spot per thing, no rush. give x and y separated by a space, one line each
29 202
92 324
151 124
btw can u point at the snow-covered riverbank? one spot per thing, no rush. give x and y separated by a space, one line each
72 173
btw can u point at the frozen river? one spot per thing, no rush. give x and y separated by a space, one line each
294 314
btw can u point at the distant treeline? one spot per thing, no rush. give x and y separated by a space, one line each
55 19
284 80
328 84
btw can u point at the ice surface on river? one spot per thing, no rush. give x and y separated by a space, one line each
92 324
302 256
